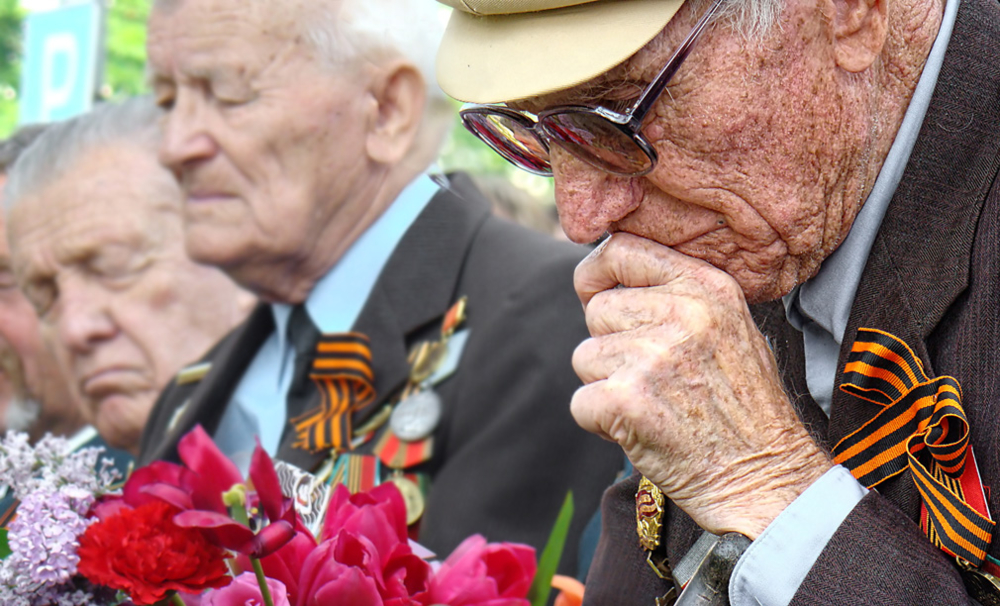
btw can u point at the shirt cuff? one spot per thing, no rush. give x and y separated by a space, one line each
771 570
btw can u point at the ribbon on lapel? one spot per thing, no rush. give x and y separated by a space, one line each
921 427
342 371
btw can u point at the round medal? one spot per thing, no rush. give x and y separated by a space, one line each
417 416
412 497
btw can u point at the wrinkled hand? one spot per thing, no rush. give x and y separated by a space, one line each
678 374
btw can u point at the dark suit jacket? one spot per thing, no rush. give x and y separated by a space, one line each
932 279
507 450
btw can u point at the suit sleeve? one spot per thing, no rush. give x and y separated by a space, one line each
879 556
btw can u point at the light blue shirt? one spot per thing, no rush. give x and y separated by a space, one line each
774 566
257 407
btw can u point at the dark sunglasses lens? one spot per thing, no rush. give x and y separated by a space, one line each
511 139
598 142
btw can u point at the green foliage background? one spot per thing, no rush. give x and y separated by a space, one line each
124 75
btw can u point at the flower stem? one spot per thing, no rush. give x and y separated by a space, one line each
265 591
177 600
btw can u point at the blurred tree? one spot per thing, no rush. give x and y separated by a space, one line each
10 63
125 61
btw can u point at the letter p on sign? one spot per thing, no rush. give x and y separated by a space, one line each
62 60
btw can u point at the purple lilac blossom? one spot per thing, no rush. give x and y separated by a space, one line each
56 489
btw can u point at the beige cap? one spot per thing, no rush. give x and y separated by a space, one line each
503 50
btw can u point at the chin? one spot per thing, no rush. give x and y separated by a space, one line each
211 245
120 421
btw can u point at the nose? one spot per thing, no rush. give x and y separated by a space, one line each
83 316
186 138
590 200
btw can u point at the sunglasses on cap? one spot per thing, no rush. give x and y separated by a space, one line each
607 140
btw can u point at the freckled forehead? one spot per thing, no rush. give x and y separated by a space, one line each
92 202
194 35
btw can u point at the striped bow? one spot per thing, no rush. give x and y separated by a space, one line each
342 371
921 427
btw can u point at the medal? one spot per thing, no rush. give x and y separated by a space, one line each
649 503
309 495
981 585
426 358
412 497
416 416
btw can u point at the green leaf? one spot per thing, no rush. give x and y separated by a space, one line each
547 564
4 545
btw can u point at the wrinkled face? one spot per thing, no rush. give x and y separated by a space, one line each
99 254
29 374
756 147
266 140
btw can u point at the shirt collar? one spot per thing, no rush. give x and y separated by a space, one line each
336 300
827 298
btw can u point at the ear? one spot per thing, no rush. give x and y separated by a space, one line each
399 94
859 28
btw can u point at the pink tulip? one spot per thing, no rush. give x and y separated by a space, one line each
285 564
379 514
482 574
245 591
365 553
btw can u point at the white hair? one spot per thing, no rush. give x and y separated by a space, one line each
345 31
753 19
63 144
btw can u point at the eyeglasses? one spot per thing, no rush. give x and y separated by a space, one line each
608 140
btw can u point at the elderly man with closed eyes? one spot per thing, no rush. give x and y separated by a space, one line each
406 335
795 320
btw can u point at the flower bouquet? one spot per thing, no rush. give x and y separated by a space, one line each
200 533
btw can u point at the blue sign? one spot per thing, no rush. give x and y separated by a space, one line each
61 62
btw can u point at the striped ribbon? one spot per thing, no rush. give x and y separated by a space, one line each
397 454
359 473
342 371
921 427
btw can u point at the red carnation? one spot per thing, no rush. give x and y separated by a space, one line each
143 553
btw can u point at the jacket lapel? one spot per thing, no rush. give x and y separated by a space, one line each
209 399
415 289
920 261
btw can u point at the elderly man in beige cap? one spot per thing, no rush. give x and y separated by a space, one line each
796 317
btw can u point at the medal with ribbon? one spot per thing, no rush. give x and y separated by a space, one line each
417 414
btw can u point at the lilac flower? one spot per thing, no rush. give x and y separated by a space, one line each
26 469
56 489
43 537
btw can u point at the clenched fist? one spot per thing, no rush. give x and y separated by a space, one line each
677 373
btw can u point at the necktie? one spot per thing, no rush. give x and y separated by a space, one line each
338 365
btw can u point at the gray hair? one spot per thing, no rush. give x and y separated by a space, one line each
378 30
63 144
12 147
753 19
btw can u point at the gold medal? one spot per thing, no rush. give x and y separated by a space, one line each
981 585
412 497
426 358
649 502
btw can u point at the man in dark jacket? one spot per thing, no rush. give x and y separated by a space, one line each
407 336
838 157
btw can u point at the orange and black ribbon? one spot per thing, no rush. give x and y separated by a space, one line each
921 427
342 371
